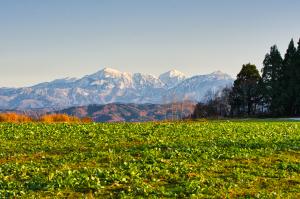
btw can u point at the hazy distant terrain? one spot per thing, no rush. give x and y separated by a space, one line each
132 112
112 86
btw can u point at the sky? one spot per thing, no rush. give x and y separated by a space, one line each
50 39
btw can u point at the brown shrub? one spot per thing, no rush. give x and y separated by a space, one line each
52 118
14 117
86 120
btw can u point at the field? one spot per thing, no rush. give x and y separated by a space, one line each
156 160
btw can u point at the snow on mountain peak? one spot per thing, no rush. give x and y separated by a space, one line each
217 72
111 71
172 78
70 79
110 85
220 75
116 74
173 73
106 73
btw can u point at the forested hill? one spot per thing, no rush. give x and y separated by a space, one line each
132 112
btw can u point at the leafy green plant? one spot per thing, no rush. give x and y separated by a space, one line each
157 160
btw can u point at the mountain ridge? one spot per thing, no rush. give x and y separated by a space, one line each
118 112
112 86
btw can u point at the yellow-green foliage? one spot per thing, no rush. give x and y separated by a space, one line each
157 160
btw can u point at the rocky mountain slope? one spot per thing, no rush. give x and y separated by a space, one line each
112 86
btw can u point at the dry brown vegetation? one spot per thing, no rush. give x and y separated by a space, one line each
49 118
14 117
58 118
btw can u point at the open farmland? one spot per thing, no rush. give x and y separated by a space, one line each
157 160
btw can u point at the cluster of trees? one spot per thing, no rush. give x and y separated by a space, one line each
274 92
216 104
50 118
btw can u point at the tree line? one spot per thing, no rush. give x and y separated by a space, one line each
275 92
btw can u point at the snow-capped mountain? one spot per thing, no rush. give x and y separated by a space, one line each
109 86
196 87
172 78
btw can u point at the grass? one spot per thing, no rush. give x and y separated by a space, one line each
240 159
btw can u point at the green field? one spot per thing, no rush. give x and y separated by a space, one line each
156 160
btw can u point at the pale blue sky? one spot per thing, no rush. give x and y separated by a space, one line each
41 40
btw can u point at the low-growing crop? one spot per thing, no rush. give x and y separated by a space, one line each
150 160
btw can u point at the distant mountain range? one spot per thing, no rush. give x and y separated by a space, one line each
112 86
117 112
132 112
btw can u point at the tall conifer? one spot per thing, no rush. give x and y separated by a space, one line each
297 80
271 75
289 80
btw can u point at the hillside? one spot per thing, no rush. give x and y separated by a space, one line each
132 112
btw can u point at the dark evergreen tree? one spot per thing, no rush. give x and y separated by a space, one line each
244 97
297 80
271 88
289 81
277 92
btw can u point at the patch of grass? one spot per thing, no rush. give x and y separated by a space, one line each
158 160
